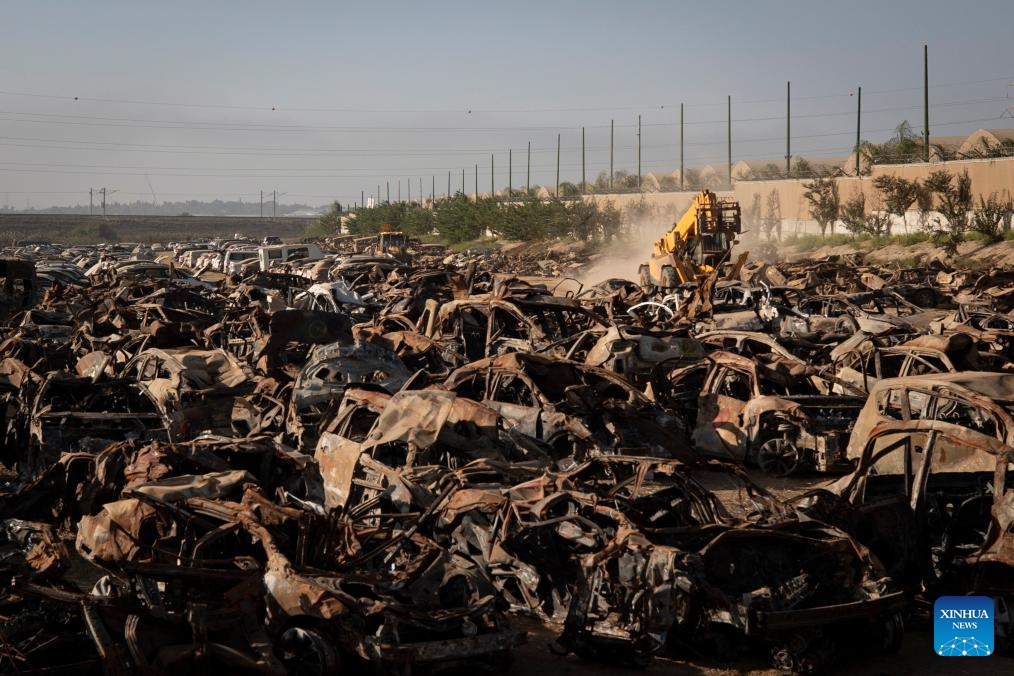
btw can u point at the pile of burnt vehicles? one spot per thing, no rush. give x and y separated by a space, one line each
365 462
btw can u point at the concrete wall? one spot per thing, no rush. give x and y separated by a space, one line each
988 176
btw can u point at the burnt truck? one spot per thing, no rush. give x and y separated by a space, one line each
19 286
772 412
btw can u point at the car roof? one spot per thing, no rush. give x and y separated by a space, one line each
997 386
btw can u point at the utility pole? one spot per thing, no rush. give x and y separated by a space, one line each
492 182
362 198
378 195
638 153
925 103
476 183
103 202
859 120
462 181
90 200
528 174
262 204
583 186
788 129
274 203
388 192
510 173
728 104
681 148
420 189
557 166
611 130
449 184
399 189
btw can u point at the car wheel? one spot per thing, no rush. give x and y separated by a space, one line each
307 652
778 456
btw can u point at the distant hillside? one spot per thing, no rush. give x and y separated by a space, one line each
187 208
78 229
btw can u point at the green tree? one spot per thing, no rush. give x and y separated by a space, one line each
802 168
991 217
853 214
954 201
459 219
773 216
822 194
901 148
898 195
328 224
568 189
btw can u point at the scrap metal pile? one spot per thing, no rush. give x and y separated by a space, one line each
363 463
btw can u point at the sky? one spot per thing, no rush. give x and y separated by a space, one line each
324 101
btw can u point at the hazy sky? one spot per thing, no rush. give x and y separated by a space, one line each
323 100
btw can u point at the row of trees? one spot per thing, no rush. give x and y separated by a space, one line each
944 201
461 219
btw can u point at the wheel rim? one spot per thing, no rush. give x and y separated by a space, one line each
778 456
307 653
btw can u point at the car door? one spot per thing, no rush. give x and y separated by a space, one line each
884 495
514 398
719 427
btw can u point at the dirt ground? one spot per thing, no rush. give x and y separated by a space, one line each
969 253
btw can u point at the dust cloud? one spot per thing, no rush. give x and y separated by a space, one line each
624 256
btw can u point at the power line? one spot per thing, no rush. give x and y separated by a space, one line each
143 123
276 107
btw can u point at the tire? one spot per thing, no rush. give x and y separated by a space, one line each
668 280
644 275
307 652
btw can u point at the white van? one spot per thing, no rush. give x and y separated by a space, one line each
234 258
278 254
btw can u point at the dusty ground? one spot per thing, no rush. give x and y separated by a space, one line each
1000 254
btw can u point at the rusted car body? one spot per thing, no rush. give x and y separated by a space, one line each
196 390
220 477
933 501
579 411
772 414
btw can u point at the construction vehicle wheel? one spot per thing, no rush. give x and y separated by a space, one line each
668 277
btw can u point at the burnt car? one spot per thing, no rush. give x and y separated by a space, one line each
196 390
732 588
328 371
932 499
485 326
774 413
578 410
18 286
72 413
